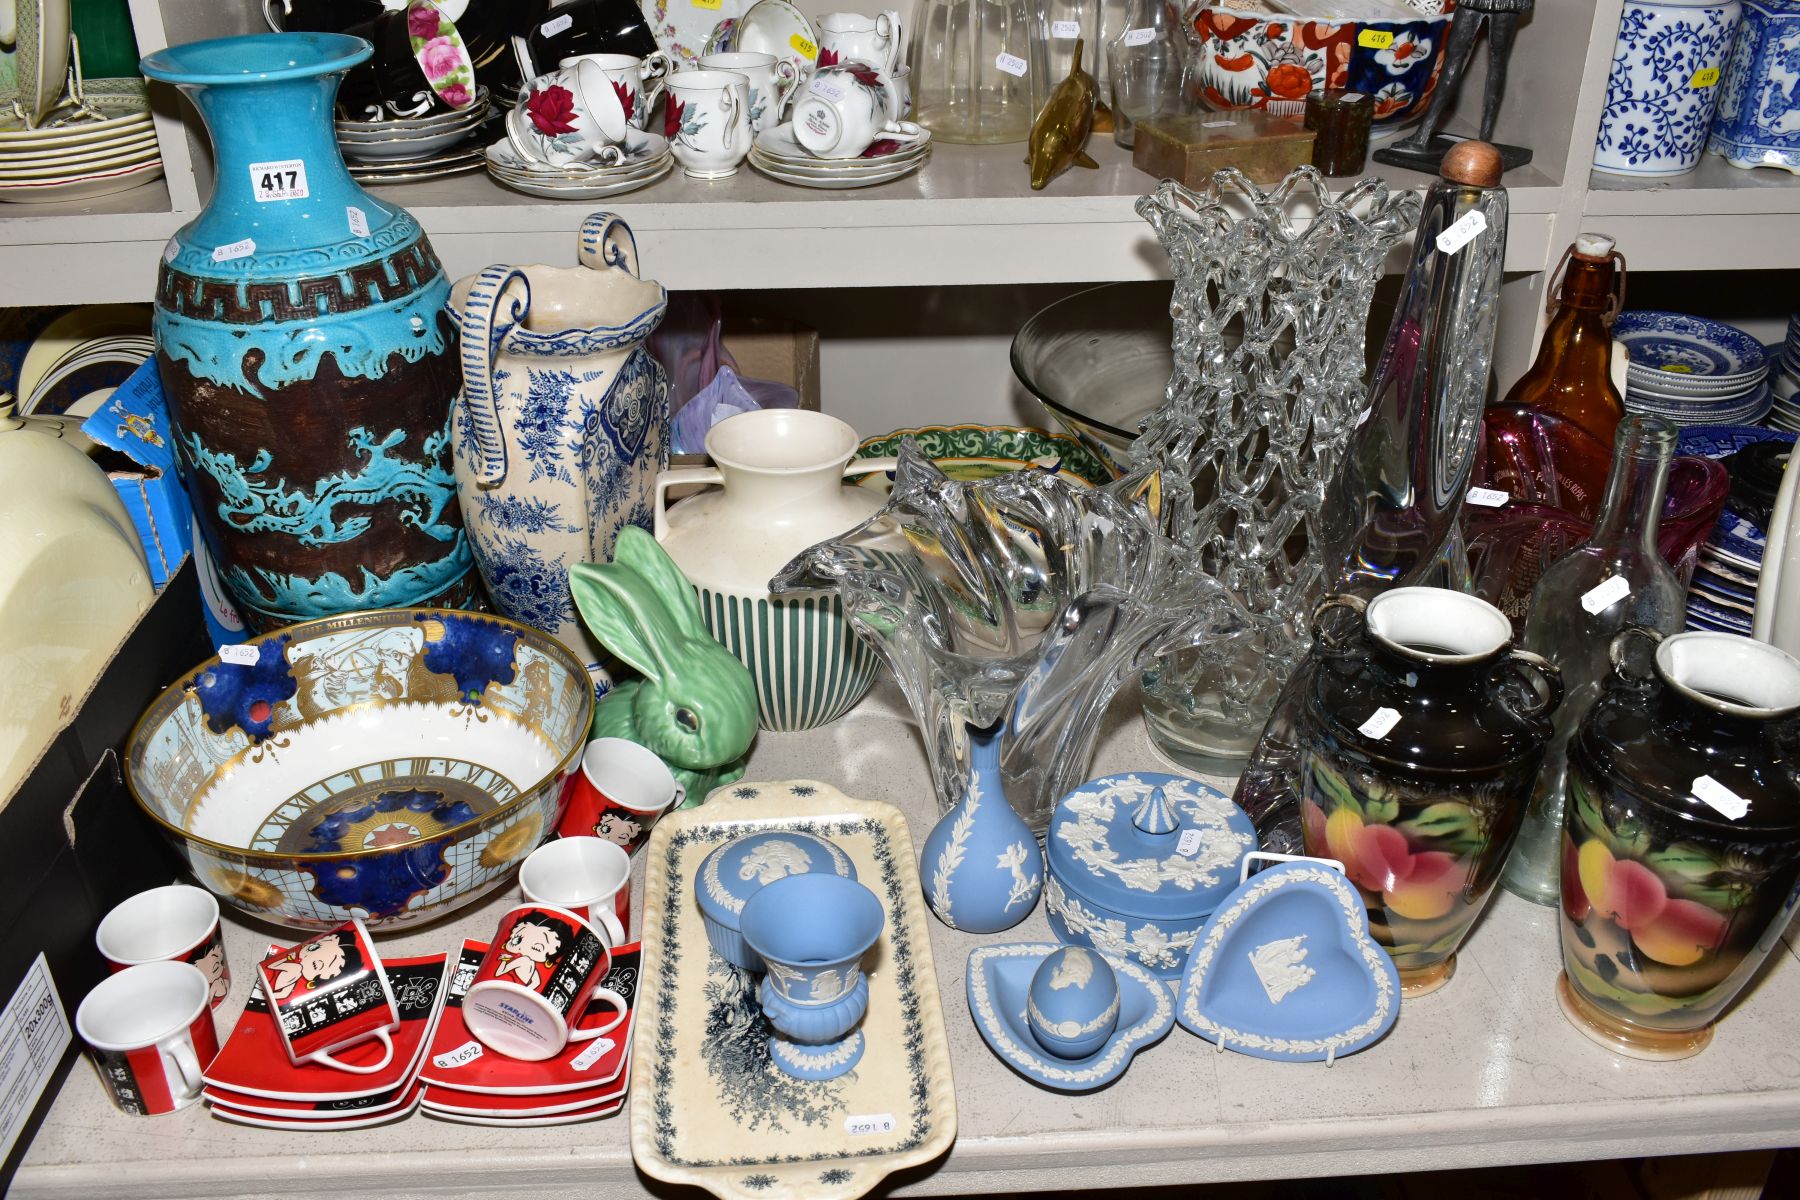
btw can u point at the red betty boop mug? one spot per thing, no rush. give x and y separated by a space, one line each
151 1034
541 968
177 923
619 793
329 993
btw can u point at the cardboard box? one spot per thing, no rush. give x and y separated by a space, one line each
72 841
134 422
765 348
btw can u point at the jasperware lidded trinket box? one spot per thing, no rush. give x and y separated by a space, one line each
1137 863
740 868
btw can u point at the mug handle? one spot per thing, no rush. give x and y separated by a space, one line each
902 131
602 914
676 477
652 76
381 1035
1321 635
585 1035
186 1063
1618 652
728 105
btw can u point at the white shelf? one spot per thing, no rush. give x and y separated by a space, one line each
1715 217
1486 1072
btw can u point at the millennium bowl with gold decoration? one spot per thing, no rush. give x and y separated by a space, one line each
392 765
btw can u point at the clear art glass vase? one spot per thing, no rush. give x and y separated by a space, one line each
1270 313
1022 601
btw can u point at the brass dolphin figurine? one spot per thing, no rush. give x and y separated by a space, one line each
1060 133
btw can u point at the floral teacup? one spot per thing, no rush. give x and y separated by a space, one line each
771 80
637 81
852 37
847 109
707 121
567 117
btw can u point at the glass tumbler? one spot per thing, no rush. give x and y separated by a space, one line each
970 60
1145 65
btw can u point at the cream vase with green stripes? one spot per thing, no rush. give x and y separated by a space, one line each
781 490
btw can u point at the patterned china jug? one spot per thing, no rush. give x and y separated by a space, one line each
1422 733
562 424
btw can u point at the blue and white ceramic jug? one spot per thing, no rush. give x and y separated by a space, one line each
981 864
563 422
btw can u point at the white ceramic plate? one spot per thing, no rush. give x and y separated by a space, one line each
779 143
591 191
30 153
115 114
770 26
402 149
830 182
644 149
84 188
841 168
77 169
573 1118
682 27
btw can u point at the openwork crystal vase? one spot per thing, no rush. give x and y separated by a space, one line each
1270 314
1020 599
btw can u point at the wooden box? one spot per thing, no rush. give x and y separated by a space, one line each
1190 147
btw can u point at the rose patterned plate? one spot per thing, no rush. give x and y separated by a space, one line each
999 978
710 1109
682 27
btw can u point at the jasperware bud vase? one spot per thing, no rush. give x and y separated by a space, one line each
303 342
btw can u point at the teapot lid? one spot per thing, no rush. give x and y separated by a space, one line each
740 868
1149 844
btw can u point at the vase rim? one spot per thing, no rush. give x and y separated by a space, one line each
1729 674
1437 626
782 441
257 58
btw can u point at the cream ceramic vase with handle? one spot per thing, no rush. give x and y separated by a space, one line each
782 473
562 424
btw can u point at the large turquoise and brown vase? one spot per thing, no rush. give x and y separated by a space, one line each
1681 838
306 352
1421 735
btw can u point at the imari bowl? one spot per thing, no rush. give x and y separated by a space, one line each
391 766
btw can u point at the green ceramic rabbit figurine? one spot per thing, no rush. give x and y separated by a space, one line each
696 705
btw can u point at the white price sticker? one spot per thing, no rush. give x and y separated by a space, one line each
829 90
284 180
241 655
1065 29
1189 845
862 1126
1464 230
462 1056
1139 37
172 251
1720 798
594 1053
1605 594
241 249
1221 123
359 220
1380 723
1012 64
1350 98
1488 497
556 25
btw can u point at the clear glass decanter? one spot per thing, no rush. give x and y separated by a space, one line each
1614 580
1145 62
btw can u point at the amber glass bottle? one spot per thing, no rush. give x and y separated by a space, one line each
1571 376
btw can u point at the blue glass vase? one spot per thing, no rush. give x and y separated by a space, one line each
303 342
982 867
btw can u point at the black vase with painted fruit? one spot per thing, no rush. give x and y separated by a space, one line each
1421 733
1681 838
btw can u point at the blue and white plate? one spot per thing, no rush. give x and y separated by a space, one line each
1286 969
999 978
1722 441
1737 539
1676 344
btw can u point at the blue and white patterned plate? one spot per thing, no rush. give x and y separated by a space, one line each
999 977
1722 441
1679 344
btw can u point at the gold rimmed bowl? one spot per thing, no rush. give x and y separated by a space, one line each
392 765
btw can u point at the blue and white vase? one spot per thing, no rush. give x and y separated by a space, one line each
563 421
1664 85
983 869
302 341
1758 124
